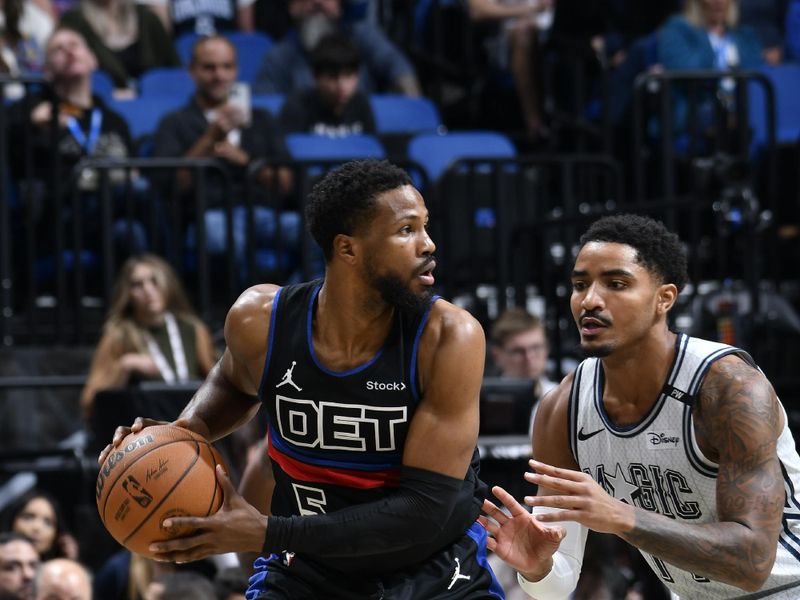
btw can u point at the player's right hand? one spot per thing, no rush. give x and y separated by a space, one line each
139 423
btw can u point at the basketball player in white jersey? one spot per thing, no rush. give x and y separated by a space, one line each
677 445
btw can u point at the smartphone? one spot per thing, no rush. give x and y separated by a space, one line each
239 96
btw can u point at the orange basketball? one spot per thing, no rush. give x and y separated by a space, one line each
162 471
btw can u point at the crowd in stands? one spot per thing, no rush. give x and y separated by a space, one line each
320 65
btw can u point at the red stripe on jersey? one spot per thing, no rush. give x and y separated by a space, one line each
344 477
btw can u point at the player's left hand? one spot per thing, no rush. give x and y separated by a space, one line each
579 498
236 527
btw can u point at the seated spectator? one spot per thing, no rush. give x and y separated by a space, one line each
515 48
128 576
519 348
85 127
63 579
210 126
127 39
334 106
286 67
151 332
181 17
767 18
19 562
182 585
231 583
37 515
25 27
708 36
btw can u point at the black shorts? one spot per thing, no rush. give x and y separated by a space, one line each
459 572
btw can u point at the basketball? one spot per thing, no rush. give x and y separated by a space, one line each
162 471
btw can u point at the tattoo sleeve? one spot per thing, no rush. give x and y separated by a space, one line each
737 422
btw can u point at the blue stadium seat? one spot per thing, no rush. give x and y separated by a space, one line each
166 81
143 114
102 84
435 153
403 114
785 80
270 102
184 45
310 147
251 48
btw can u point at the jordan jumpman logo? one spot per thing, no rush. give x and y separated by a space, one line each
457 575
287 378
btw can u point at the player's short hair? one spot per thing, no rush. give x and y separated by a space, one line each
344 199
658 250
511 322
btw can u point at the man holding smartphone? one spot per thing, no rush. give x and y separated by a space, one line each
218 122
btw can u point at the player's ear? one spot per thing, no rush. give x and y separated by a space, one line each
667 295
344 247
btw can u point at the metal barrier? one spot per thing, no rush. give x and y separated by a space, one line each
696 114
479 205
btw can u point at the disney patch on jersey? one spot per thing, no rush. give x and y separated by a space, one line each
662 440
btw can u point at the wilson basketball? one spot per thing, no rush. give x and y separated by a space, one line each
162 471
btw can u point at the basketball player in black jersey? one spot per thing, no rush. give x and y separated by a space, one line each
372 387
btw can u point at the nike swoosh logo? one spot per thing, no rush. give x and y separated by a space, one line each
585 436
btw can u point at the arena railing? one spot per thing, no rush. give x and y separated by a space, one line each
680 116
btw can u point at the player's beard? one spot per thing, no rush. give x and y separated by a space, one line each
397 293
600 351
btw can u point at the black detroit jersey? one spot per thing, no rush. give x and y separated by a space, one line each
336 438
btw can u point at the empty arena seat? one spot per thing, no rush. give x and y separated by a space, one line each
403 114
436 152
310 147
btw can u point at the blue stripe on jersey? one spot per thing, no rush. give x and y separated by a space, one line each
256 581
789 541
700 464
367 462
309 335
270 338
413 372
478 535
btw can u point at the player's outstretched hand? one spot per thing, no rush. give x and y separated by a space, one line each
121 432
579 498
519 538
236 527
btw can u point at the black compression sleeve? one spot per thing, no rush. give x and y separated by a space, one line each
413 514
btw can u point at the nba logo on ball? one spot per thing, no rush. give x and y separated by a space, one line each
162 471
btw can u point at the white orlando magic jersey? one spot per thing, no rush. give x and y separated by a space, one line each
657 465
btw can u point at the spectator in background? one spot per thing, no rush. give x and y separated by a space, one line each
334 106
25 26
231 583
519 348
515 48
181 585
37 515
127 39
19 562
286 67
151 332
63 579
86 126
767 18
204 17
211 126
708 36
